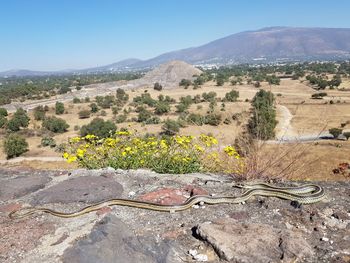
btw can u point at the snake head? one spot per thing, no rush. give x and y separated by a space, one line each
239 185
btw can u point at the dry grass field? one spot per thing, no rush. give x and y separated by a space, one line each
309 116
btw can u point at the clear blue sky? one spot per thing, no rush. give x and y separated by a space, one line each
59 34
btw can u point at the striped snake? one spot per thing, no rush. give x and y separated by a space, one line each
305 194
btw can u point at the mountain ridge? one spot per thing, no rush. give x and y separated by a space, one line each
269 44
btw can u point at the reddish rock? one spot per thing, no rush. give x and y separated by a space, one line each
173 234
103 210
8 208
192 190
165 196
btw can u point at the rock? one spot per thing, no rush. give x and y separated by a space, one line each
17 187
112 241
8 208
165 196
88 189
20 237
239 242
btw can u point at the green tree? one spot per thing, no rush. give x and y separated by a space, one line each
15 145
232 96
98 127
263 121
39 113
55 124
59 108
19 119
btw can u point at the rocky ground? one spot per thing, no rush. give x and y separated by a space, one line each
261 230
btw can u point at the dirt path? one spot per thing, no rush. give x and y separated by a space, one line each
284 128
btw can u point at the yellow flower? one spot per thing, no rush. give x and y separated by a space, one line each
71 159
198 148
90 137
80 153
163 144
74 140
231 151
208 140
121 133
65 155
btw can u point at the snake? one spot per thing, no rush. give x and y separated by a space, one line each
304 194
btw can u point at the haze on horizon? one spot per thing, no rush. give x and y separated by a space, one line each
56 35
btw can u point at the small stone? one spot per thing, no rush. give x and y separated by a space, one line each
195 206
201 258
193 252
325 239
131 193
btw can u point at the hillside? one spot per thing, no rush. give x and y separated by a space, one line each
269 44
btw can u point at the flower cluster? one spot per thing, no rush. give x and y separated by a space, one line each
125 150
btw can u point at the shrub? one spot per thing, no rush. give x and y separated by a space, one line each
105 102
93 107
196 119
335 132
87 99
144 115
15 145
59 108
121 118
161 108
19 119
181 107
212 119
64 90
48 141
39 113
122 97
232 96
84 114
157 86
178 154
76 100
263 122
153 120
98 127
185 83
145 99
186 100
210 96
3 112
170 127
55 124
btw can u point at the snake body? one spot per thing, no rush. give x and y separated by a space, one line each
305 194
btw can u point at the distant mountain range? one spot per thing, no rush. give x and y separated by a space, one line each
271 44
